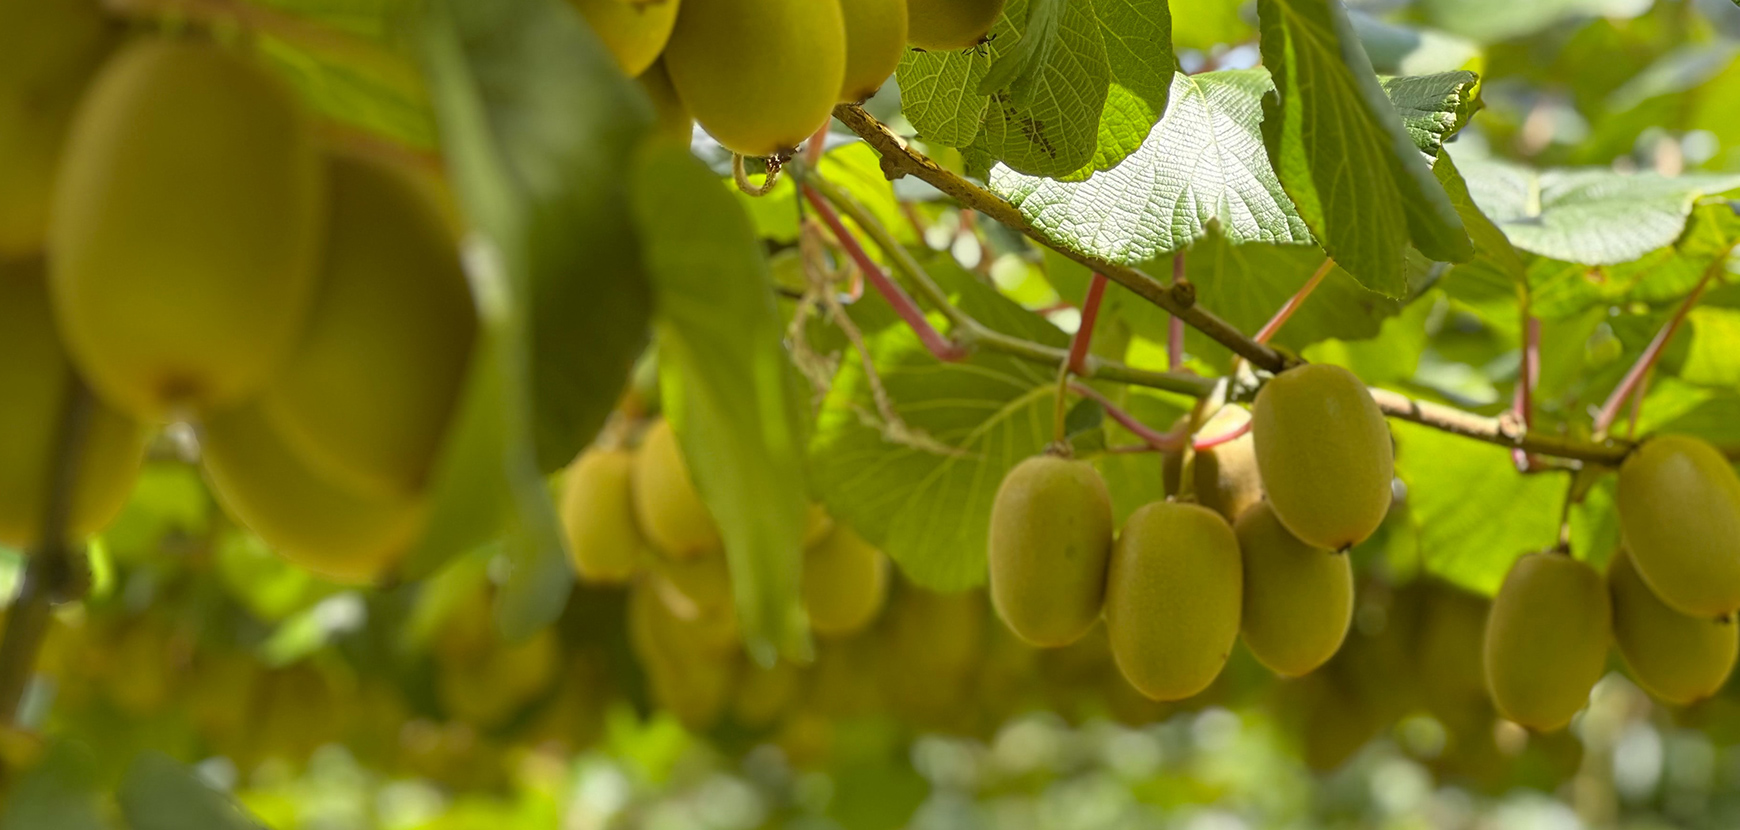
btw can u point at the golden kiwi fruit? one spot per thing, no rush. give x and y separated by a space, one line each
1298 599
635 31
1546 640
670 511
1324 454
1173 598
845 582
1050 538
597 515
1224 477
1679 514
1678 658
950 25
875 40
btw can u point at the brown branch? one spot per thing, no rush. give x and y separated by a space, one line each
1504 432
1178 299
52 574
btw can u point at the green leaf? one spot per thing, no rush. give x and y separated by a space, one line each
1047 123
1201 164
1434 107
939 91
159 794
1204 24
728 389
1590 216
1490 21
927 502
1138 37
1715 343
1496 265
1470 533
59 792
1353 171
474 51
1038 39
1405 50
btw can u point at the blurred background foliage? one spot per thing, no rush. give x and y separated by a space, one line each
319 707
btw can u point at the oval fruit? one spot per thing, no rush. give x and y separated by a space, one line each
760 75
598 516
1173 598
1224 477
1677 658
671 120
635 31
507 676
875 40
52 49
308 520
950 25
670 511
186 228
35 378
1051 534
367 395
687 678
1546 640
1298 600
764 695
1323 451
845 582
1679 514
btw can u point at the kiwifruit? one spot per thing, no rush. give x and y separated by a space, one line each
1324 454
687 678
1224 477
508 676
875 40
35 379
760 75
1050 537
310 521
635 31
186 228
1173 598
597 514
845 581
1546 640
1448 649
368 392
1298 599
52 49
671 119
670 511
950 25
763 695
1678 658
1679 514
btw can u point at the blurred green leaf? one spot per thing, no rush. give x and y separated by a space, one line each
157 793
1342 153
59 792
728 387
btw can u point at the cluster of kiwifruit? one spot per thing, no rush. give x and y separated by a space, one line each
762 75
1258 550
183 243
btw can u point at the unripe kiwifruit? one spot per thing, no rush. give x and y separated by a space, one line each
311 521
670 511
186 228
671 119
1677 658
506 677
763 695
1173 598
845 582
35 378
949 25
687 678
1324 454
875 40
368 392
702 585
760 75
1298 600
597 514
1679 514
635 31
1051 534
1546 640
52 49
1447 650
1224 477
934 642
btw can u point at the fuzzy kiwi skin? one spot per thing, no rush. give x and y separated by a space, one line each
1050 538
1298 599
1546 640
597 514
1225 477
635 31
845 583
669 509
875 40
1679 515
759 75
187 228
950 25
1678 658
1173 598
1323 450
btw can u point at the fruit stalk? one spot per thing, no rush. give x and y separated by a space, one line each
1078 350
1174 325
1633 380
1298 299
51 575
1162 441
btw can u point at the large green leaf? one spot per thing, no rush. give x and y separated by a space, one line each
159 794
1201 164
926 499
1590 216
1434 107
488 66
1343 154
728 389
1047 122
1476 513
60 791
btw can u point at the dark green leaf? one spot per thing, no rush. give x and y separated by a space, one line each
728 386
59 792
1434 107
159 794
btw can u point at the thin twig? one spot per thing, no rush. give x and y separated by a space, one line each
1175 325
1633 379
1523 405
51 575
1227 437
1294 302
1163 441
